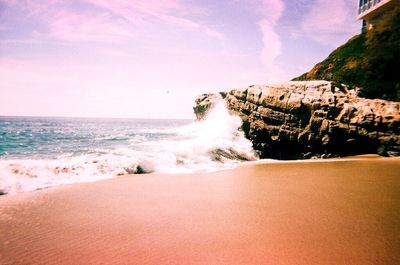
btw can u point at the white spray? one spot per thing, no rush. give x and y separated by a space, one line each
212 144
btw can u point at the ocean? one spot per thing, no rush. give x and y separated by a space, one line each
42 152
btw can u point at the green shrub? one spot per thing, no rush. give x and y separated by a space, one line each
370 61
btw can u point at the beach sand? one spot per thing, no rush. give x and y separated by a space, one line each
344 211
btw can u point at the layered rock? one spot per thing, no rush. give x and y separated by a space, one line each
312 118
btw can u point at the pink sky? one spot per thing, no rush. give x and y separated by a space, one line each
150 59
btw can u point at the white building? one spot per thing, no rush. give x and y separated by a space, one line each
371 10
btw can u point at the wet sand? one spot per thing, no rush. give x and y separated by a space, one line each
329 212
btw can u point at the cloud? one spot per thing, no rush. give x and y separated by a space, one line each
191 25
172 12
328 20
272 11
55 20
99 27
103 20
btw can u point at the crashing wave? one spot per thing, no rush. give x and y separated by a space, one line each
212 144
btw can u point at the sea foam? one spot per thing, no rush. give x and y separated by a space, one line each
212 144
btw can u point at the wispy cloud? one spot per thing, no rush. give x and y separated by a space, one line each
327 20
172 12
101 27
103 20
272 12
55 20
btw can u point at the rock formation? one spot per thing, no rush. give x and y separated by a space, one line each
305 119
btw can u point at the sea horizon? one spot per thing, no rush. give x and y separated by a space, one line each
95 117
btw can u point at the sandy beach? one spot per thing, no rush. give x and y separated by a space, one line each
344 211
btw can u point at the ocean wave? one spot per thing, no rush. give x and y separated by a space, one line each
213 144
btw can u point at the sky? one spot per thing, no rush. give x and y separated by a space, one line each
151 59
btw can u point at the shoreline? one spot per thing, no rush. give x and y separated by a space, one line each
336 211
240 164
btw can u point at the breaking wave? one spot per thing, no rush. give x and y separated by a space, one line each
212 144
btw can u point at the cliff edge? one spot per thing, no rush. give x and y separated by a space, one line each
303 119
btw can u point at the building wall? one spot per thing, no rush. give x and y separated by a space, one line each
370 11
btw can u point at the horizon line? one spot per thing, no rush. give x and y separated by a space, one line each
93 117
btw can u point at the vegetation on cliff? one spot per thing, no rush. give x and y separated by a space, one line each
369 61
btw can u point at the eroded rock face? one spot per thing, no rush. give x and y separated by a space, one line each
304 119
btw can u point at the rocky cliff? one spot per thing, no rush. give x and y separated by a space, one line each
302 119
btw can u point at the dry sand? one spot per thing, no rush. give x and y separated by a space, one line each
330 212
